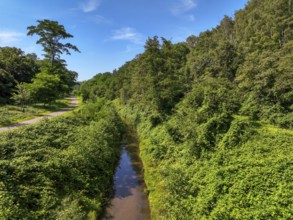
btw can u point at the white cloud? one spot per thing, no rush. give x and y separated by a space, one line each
183 6
90 5
128 34
7 37
100 19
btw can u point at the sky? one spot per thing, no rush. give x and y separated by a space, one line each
110 32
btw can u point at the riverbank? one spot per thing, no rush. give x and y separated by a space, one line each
60 168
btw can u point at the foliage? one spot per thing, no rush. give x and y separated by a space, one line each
21 95
51 33
15 67
6 86
101 85
213 116
43 88
59 168
53 70
12 114
153 81
21 66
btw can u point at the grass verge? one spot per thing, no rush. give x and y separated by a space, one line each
12 114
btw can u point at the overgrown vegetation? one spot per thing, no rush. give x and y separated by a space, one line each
214 116
60 168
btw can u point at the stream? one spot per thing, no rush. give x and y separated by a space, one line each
129 202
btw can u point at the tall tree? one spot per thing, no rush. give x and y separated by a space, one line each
51 33
43 88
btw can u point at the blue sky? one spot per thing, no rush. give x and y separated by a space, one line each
110 32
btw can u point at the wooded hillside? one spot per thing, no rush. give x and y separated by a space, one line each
214 116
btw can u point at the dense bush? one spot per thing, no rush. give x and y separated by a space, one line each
246 174
59 168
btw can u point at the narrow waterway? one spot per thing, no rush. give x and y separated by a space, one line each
129 201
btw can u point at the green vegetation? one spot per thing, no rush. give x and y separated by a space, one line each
51 33
30 86
213 116
25 79
245 173
60 168
11 114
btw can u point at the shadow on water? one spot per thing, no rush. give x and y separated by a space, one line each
129 201
125 178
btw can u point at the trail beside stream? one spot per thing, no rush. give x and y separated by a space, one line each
73 104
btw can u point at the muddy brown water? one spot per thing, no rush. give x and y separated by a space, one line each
129 202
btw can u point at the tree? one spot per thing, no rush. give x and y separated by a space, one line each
15 66
21 95
51 33
191 40
43 88
6 85
22 67
226 27
67 77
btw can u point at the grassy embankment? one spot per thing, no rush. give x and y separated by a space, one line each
12 114
246 175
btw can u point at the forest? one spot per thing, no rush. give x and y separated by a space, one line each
26 79
213 116
31 86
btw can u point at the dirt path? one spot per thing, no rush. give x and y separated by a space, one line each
72 105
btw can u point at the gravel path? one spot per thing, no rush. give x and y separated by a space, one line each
73 104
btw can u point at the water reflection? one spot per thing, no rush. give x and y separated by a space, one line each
129 201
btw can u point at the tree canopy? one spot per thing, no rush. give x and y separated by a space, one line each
27 70
50 35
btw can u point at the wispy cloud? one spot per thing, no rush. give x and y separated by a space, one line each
191 17
7 37
99 19
90 5
183 6
128 34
